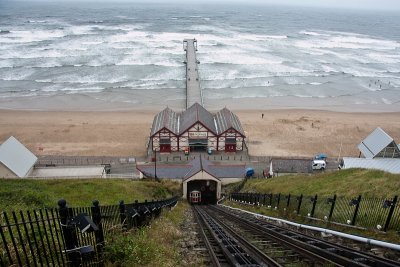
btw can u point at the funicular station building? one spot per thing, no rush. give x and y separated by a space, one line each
196 130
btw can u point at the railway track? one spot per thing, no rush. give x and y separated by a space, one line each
239 239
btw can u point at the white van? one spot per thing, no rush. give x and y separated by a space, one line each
318 164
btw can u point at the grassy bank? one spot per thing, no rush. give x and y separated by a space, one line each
18 194
155 245
347 183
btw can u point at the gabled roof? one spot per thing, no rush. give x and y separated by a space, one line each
188 170
16 157
198 164
379 144
225 120
165 171
384 164
165 119
196 113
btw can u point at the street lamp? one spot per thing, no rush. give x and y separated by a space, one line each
155 164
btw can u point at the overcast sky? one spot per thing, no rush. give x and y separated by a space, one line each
370 4
393 5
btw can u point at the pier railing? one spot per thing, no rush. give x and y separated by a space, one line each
66 236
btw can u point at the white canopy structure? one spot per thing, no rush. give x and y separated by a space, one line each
379 144
15 159
383 164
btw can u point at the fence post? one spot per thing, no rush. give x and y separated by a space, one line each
288 201
392 206
278 200
353 221
332 208
68 232
96 217
122 214
270 200
313 206
300 200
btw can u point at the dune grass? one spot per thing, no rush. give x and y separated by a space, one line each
346 183
22 194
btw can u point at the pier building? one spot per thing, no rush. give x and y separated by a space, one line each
196 129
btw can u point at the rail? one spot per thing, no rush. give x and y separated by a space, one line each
288 246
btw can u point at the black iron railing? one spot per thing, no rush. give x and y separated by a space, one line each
66 236
379 213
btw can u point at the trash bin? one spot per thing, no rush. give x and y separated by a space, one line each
249 172
209 151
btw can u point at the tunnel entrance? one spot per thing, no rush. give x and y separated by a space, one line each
207 188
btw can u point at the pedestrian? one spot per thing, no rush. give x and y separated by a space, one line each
262 115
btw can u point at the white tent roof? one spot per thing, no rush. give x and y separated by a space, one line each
374 143
391 165
69 171
16 157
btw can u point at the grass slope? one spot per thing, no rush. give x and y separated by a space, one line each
347 183
18 194
155 245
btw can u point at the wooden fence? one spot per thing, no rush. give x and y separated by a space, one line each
379 213
69 236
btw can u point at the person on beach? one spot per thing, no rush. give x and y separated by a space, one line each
262 115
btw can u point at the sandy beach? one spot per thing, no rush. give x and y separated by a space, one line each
284 132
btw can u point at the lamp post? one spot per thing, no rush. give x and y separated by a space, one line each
155 164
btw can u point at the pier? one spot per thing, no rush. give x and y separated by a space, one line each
193 90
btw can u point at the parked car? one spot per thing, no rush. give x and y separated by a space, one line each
318 164
321 156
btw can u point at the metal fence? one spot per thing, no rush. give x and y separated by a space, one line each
66 236
382 214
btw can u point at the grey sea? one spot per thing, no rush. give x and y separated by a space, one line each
99 56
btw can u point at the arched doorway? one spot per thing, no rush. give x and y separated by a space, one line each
208 189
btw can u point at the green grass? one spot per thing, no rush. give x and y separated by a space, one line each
155 245
22 194
346 183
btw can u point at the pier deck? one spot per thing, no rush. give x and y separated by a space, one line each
193 90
